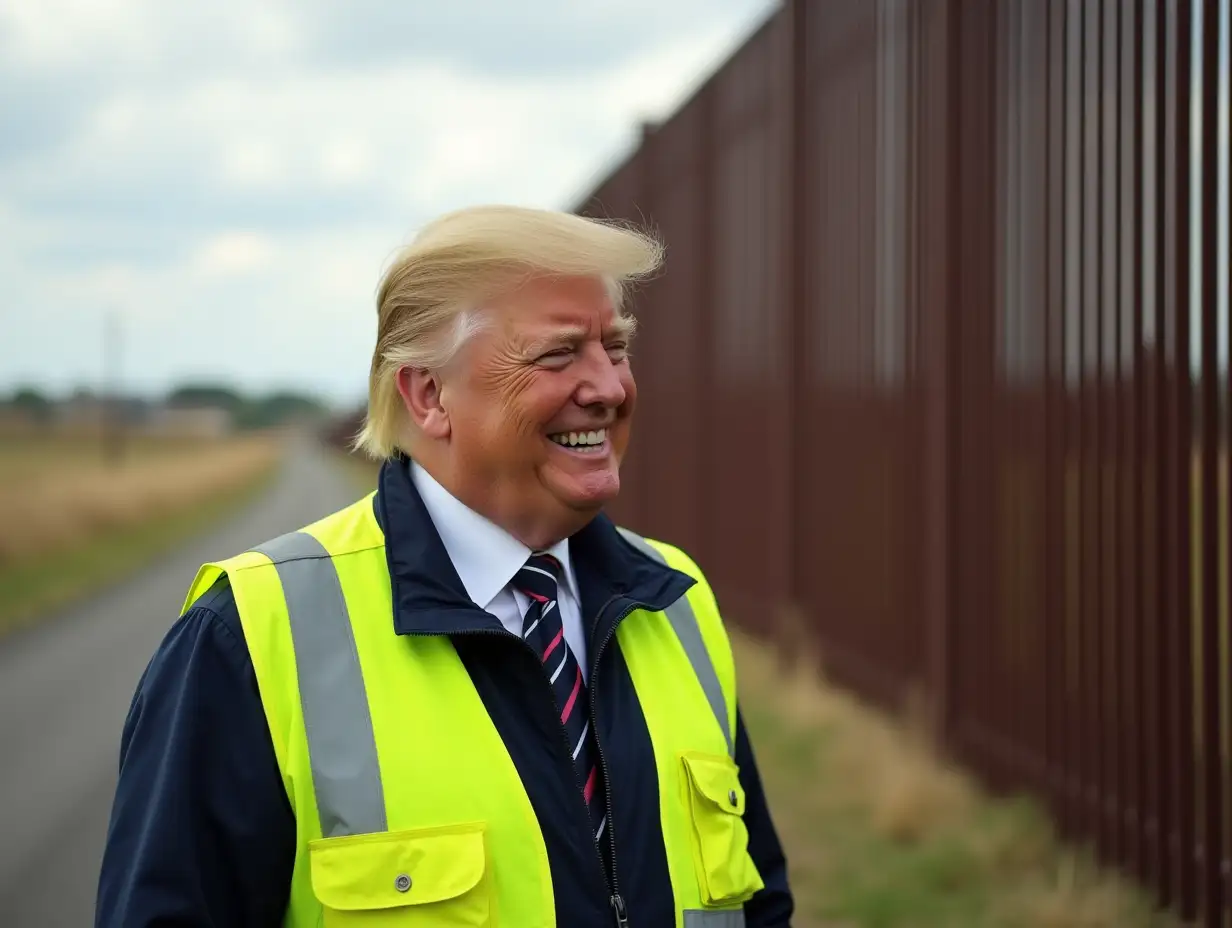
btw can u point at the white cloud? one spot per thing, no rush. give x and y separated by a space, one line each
232 185
245 161
234 253
45 36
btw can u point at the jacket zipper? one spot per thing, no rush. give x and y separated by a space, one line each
616 901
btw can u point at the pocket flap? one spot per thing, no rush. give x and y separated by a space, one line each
717 778
397 868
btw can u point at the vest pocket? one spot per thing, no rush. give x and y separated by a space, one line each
420 877
726 874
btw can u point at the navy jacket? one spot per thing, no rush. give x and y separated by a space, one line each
201 830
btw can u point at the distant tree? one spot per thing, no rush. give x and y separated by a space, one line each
248 412
278 409
31 402
206 396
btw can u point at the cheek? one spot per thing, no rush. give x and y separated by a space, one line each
499 387
525 399
544 398
630 388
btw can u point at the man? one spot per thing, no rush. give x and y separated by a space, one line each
467 699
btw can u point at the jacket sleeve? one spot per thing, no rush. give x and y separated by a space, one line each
201 831
773 905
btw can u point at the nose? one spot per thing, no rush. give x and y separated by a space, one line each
601 383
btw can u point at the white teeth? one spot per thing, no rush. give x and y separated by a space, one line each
580 439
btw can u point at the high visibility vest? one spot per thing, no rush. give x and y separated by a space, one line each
398 825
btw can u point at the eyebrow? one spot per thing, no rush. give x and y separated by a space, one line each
622 327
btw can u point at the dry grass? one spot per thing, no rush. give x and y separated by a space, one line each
71 523
880 832
52 499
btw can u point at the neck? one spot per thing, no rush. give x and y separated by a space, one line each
504 506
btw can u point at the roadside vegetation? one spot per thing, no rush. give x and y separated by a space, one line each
73 518
880 832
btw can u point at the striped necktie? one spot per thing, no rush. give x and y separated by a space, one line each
544 632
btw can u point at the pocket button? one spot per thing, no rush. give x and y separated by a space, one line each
403 883
731 797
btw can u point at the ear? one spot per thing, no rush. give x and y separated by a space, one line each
421 395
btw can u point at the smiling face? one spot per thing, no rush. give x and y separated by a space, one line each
532 418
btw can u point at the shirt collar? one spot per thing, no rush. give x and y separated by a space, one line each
485 556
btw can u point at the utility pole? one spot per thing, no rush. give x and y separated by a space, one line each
113 413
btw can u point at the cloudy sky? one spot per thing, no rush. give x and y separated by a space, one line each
227 180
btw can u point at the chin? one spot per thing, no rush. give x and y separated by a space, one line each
592 501
588 495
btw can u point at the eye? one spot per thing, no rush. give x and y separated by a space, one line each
558 357
618 351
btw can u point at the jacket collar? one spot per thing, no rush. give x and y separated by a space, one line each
485 556
429 597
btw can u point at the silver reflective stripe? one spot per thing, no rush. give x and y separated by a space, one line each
728 918
684 624
341 745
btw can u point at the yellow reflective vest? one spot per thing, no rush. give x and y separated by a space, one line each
419 818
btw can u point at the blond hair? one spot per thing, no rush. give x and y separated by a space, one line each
430 300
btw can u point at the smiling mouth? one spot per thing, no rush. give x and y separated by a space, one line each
583 442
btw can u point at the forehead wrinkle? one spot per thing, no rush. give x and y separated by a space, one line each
620 327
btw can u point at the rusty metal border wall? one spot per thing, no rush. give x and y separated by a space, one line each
936 374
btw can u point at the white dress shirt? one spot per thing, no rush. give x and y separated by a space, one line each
487 558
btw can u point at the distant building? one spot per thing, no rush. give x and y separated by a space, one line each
187 422
87 413
16 421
